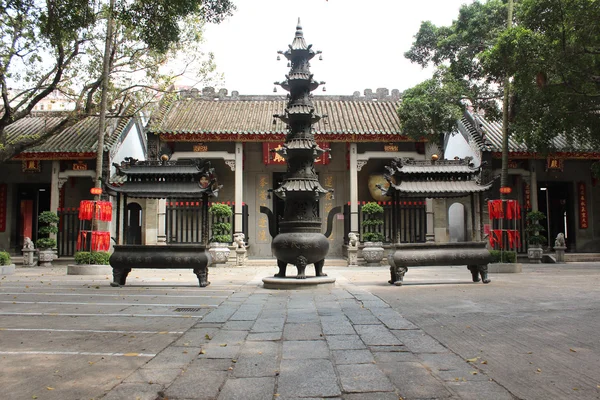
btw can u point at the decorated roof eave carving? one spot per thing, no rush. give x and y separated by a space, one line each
161 191
280 136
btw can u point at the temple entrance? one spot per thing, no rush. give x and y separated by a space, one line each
555 200
134 223
31 201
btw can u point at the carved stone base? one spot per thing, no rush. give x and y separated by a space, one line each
373 253
560 253
353 256
28 259
292 283
241 256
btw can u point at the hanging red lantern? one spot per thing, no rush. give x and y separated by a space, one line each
96 191
505 190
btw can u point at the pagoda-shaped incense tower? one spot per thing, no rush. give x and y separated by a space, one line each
300 241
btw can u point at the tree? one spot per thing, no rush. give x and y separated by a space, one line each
55 45
551 54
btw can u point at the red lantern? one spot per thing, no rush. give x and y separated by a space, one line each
505 190
96 191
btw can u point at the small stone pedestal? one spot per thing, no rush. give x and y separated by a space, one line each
560 253
7 269
241 255
292 283
353 256
28 259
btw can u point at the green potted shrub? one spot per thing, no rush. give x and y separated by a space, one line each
372 222
221 232
534 238
92 258
6 265
47 222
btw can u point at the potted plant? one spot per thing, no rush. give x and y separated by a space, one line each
90 263
6 265
221 232
48 225
534 238
372 222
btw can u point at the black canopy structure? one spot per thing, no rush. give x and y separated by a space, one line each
184 182
434 179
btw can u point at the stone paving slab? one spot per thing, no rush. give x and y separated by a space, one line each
338 343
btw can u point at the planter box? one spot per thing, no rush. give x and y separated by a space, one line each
7 269
89 269
505 268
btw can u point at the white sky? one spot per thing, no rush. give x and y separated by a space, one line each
363 42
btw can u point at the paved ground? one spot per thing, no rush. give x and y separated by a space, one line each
534 335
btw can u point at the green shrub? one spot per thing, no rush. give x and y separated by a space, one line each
534 228
48 221
503 256
373 213
96 257
4 258
221 231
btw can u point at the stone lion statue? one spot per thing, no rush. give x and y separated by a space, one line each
352 239
238 239
27 243
560 240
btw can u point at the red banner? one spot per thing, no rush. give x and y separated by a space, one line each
583 214
274 158
3 192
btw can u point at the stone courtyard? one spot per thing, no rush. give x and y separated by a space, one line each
532 335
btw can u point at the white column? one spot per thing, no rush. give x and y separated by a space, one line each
239 186
430 235
354 188
54 186
54 190
162 213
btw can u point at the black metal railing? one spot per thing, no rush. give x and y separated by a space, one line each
68 231
184 222
404 221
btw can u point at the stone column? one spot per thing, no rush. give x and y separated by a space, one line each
54 190
239 186
162 213
533 187
430 235
151 218
478 236
354 188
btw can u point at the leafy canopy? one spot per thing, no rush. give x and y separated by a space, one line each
552 54
48 46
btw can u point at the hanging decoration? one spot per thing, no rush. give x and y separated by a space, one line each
103 210
100 241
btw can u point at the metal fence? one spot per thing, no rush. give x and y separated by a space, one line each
184 222
403 221
68 231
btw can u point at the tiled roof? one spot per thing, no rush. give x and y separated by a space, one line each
198 116
439 188
166 190
487 135
79 138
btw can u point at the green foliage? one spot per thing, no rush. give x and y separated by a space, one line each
372 222
4 258
431 109
220 210
372 237
552 54
96 257
503 256
533 227
48 221
221 231
49 46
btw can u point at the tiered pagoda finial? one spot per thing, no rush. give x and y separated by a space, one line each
300 241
